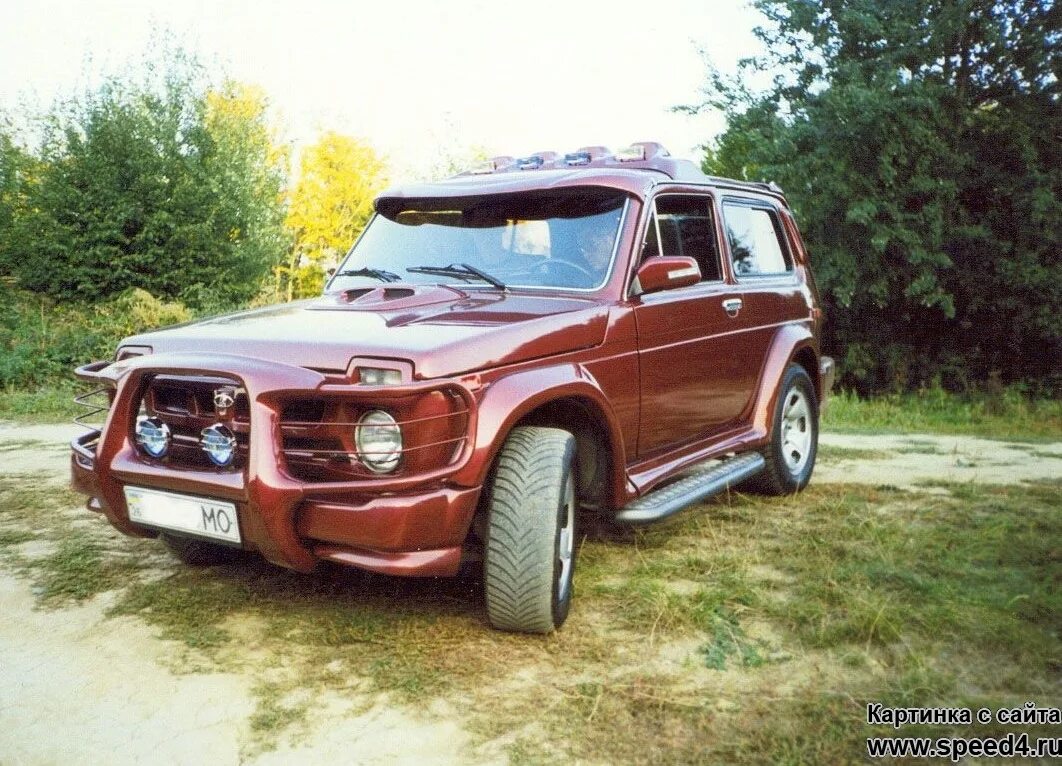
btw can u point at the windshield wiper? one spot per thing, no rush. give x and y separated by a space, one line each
380 274
461 271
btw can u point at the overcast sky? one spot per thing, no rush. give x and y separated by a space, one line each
412 76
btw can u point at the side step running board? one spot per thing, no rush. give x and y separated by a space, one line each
672 498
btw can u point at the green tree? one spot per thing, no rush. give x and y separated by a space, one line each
155 183
330 204
14 163
918 142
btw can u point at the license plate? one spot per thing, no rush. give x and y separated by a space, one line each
199 516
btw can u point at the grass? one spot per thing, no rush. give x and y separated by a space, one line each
46 404
78 562
36 503
919 447
277 711
1009 416
748 631
728 643
77 570
15 537
938 568
828 453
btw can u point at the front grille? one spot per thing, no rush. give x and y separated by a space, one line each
318 435
316 432
186 405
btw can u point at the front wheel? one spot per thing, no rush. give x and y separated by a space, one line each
794 436
530 549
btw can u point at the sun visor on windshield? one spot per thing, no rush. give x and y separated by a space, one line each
574 202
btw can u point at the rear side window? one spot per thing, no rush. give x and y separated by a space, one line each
755 237
683 225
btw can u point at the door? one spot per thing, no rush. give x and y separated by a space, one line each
695 372
762 264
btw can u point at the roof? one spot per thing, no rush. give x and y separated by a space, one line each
634 170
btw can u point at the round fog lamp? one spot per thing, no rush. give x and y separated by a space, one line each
153 436
219 443
379 441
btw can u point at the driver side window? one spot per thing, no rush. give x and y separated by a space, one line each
683 224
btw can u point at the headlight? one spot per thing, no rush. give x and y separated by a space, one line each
379 441
219 443
153 436
377 376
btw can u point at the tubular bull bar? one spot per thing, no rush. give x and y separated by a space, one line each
407 524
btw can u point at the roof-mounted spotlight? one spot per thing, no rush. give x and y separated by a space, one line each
642 150
536 160
585 155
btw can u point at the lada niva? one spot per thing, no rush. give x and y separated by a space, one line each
498 355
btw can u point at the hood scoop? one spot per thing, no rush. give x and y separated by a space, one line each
378 294
388 298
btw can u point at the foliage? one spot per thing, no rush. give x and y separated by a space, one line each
331 203
1007 413
50 403
157 183
917 142
41 339
13 166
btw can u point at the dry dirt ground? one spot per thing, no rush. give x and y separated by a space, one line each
78 686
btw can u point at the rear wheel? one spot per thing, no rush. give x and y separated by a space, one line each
794 436
198 553
530 549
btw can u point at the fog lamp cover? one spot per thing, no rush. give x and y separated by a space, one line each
153 437
219 444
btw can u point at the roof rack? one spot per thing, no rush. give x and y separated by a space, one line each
770 186
641 155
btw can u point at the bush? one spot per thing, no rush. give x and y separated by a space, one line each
138 310
42 340
158 182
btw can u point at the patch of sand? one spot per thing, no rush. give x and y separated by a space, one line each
916 458
36 449
77 687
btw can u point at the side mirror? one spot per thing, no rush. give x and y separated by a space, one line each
666 273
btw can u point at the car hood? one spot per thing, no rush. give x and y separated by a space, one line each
443 331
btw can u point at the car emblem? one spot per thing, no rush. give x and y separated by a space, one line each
224 398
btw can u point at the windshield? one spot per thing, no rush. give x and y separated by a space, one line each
561 239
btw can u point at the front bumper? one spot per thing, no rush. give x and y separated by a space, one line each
405 525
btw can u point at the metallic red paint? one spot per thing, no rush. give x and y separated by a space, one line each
667 273
668 378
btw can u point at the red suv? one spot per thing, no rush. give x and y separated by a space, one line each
500 351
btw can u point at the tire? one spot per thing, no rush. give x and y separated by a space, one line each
197 553
790 456
529 563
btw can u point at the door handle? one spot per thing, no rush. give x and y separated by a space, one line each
732 306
